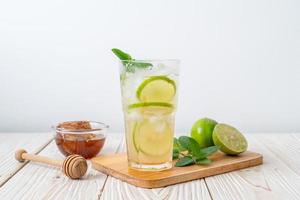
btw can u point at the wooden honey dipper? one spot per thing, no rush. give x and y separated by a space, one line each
74 166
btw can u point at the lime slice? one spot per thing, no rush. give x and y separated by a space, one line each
134 133
154 138
229 139
156 89
157 108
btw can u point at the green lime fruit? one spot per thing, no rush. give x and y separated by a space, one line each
202 132
152 107
229 139
153 138
156 89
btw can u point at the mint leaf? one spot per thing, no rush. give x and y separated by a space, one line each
125 59
175 154
191 145
176 145
184 161
195 147
121 54
209 150
129 63
204 161
205 152
189 152
184 142
141 64
128 66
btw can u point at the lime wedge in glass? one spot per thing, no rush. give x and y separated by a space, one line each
133 135
229 139
157 108
156 89
153 138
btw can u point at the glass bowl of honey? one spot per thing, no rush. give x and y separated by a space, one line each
85 138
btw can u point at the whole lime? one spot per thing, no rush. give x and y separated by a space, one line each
202 132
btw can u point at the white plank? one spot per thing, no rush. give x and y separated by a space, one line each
116 189
284 147
277 178
10 142
37 181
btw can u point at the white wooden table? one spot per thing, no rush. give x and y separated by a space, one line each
277 178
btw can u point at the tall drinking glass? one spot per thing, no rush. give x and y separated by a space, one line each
149 97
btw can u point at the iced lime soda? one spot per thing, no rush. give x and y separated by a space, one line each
149 97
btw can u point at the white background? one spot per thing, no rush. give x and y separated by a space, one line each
240 60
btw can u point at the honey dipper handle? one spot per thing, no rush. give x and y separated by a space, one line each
21 155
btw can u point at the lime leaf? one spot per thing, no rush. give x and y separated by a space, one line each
184 161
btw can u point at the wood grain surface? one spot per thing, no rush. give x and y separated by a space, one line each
117 189
39 181
278 178
10 142
116 166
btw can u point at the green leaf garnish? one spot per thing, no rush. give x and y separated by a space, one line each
204 161
188 152
142 65
129 63
192 146
175 154
209 150
121 54
184 141
176 145
184 161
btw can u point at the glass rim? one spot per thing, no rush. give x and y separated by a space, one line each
153 60
102 127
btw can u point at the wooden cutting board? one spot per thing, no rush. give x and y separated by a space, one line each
116 165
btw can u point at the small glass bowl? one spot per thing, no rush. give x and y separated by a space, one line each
85 138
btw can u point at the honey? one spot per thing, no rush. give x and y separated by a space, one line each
79 138
86 145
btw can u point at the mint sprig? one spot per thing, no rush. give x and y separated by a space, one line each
129 63
188 152
121 54
184 161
